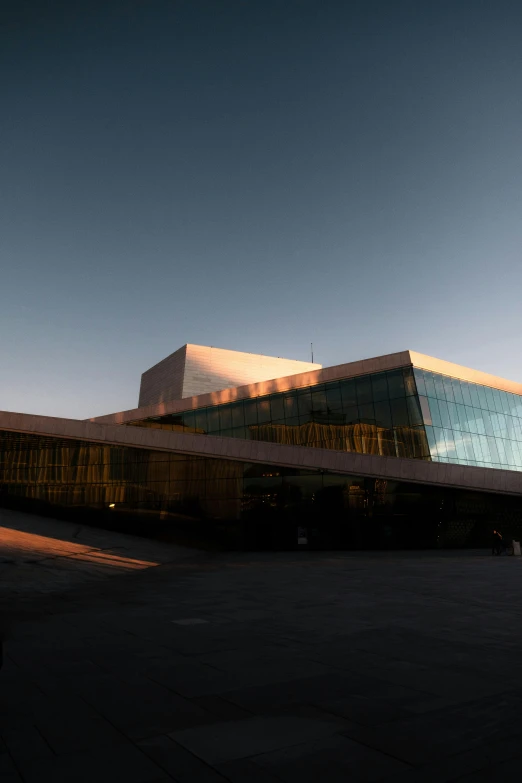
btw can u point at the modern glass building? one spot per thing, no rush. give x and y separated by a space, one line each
401 451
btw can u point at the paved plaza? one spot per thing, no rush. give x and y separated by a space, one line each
131 660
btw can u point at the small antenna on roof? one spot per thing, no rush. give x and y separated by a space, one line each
312 351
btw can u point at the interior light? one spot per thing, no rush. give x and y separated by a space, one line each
112 505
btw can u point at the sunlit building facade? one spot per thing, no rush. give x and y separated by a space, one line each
400 451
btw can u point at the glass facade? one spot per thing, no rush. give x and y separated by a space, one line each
371 414
207 501
79 474
408 412
469 424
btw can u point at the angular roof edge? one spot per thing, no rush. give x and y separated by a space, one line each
424 362
308 378
390 361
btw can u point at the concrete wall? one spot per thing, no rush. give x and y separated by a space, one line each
201 369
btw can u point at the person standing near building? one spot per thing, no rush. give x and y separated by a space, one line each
496 543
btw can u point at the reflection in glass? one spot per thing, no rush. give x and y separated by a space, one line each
213 420
419 380
348 394
319 407
263 411
250 506
379 387
440 391
334 415
290 407
473 391
434 412
333 398
466 395
304 405
225 418
238 416
444 414
409 381
399 412
396 387
447 385
250 412
414 411
457 392
363 387
430 384
383 414
367 413
425 408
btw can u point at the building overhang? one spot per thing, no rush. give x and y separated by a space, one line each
302 457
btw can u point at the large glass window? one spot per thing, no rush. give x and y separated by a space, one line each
318 402
213 420
383 416
263 411
238 415
435 416
364 390
250 411
196 500
396 384
414 411
225 417
291 409
377 413
379 387
333 398
382 413
304 405
201 420
367 413
348 393
277 408
492 417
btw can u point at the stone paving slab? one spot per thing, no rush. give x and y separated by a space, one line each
338 758
181 764
8 771
218 743
126 763
41 555
404 667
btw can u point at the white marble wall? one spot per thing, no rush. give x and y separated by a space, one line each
213 369
164 381
202 369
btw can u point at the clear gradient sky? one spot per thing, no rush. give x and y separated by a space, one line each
255 175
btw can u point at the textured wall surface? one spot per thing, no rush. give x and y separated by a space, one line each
201 369
164 381
212 369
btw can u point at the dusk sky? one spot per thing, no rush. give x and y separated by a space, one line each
254 175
